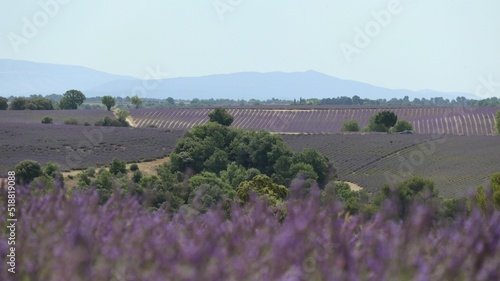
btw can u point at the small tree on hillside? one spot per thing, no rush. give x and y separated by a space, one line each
221 116
135 100
108 101
71 99
27 170
386 118
350 126
402 125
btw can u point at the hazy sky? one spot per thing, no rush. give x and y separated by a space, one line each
446 45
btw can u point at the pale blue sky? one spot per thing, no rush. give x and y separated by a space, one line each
442 45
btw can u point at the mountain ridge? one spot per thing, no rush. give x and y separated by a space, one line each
26 78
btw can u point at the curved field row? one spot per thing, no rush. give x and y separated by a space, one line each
425 120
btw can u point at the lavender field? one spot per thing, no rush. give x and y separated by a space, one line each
59 116
79 147
456 164
75 238
425 120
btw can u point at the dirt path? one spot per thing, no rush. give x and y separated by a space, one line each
129 119
353 186
146 168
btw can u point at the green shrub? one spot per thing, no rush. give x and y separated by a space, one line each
350 126
402 125
118 166
71 121
134 167
47 120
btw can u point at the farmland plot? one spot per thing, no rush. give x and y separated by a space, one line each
425 120
79 147
35 116
456 164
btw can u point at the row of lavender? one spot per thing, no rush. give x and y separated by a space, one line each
73 238
425 120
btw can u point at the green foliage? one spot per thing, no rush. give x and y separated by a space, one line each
71 121
47 120
135 100
108 101
303 170
118 166
71 99
137 176
110 122
262 185
319 163
386 118
33 103
415 189
104 184
402 125
350 126
122 116
90 171
50 169
170 101
234 174
27 170
208 190
221 116
481 199
354 201
374 127
495 186
18 103
134 167
4 103
217 162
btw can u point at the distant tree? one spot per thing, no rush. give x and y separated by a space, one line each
18 103
50 169
356 100
39 103
47 120
497 118
118 166
108 101
170 101
350 126
374 127
135 100
221 116
4 103
386 118
402 125
71 99
27 170
316 160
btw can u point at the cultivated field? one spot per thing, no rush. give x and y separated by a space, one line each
79 147
35 116
426 120
456 164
